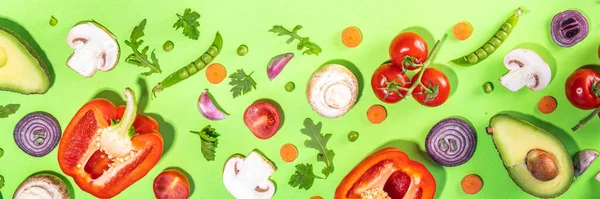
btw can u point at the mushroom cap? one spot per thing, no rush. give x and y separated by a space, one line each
52 186
531 62
332 90
89 32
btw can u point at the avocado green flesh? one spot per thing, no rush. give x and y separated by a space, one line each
22 72
514 138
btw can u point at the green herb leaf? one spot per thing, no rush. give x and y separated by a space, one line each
241 83
9 109
319 141
189 23
304 41
141 58
303 178
208 135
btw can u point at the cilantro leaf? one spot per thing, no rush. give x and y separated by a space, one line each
319 141
304 41
241 83
141 58
8 110
189 23
303 178
208 135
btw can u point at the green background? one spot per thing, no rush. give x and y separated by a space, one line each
247 22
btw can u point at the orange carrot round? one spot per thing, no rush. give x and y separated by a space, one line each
471 184
216 73
462 30
547 104
316 197
288 152
351 37
376 114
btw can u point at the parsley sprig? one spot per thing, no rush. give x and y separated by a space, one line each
189 22
242 83
210 140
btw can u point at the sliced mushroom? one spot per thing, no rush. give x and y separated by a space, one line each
95 48
332 90
527 68
42 186
248 178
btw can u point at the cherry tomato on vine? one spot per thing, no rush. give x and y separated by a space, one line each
583 88
437 88
388 82
408 50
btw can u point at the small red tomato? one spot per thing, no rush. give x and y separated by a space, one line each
437 88
389 83
262 119
583 88
171 184
408 50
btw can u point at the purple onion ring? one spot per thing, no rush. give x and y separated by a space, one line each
37 134
451 142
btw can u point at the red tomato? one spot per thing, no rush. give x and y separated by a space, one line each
262 119
582 88
387 81
437 91
171 184
407 49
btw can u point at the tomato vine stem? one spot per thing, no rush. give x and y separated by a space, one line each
586 119
430 59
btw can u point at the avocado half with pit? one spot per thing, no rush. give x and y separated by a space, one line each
21 69
536 160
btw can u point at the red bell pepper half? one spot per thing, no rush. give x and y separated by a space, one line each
387 172
106 148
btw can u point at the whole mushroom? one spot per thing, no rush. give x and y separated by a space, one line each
95 47
527 69
332 90
42 186
248 178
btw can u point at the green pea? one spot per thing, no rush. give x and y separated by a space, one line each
488 87
183 73
53 21
489 49
191 69
472 58
502 35
1 152
352 136
199 64
168 46
290 86
506 27
212 51
481 54
1 181
495 42
206 58
242 50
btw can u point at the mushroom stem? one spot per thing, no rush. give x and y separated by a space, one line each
514 80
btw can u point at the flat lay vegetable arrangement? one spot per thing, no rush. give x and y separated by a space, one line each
100 101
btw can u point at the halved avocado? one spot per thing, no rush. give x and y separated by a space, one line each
21 69
537 161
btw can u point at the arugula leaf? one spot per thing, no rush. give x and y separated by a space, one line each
189 23
208 135
303 178
8 109
241 83
304 41
141 58
319 141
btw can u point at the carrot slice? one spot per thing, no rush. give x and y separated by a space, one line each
288 152
462 30
376 114
215 73
471 184
351 37
316 197
547 104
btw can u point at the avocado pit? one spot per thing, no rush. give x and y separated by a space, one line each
541 164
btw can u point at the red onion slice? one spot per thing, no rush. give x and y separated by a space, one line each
451 142
37 134
208 108
277 63
569 28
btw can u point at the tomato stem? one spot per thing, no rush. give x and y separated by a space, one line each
586 119
432 55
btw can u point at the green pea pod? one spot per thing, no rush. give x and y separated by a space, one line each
193 67
491 45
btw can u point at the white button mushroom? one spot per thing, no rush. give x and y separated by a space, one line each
526 69
332 90
95 49
249 178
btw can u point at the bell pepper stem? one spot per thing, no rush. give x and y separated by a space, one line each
130 113
586 119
